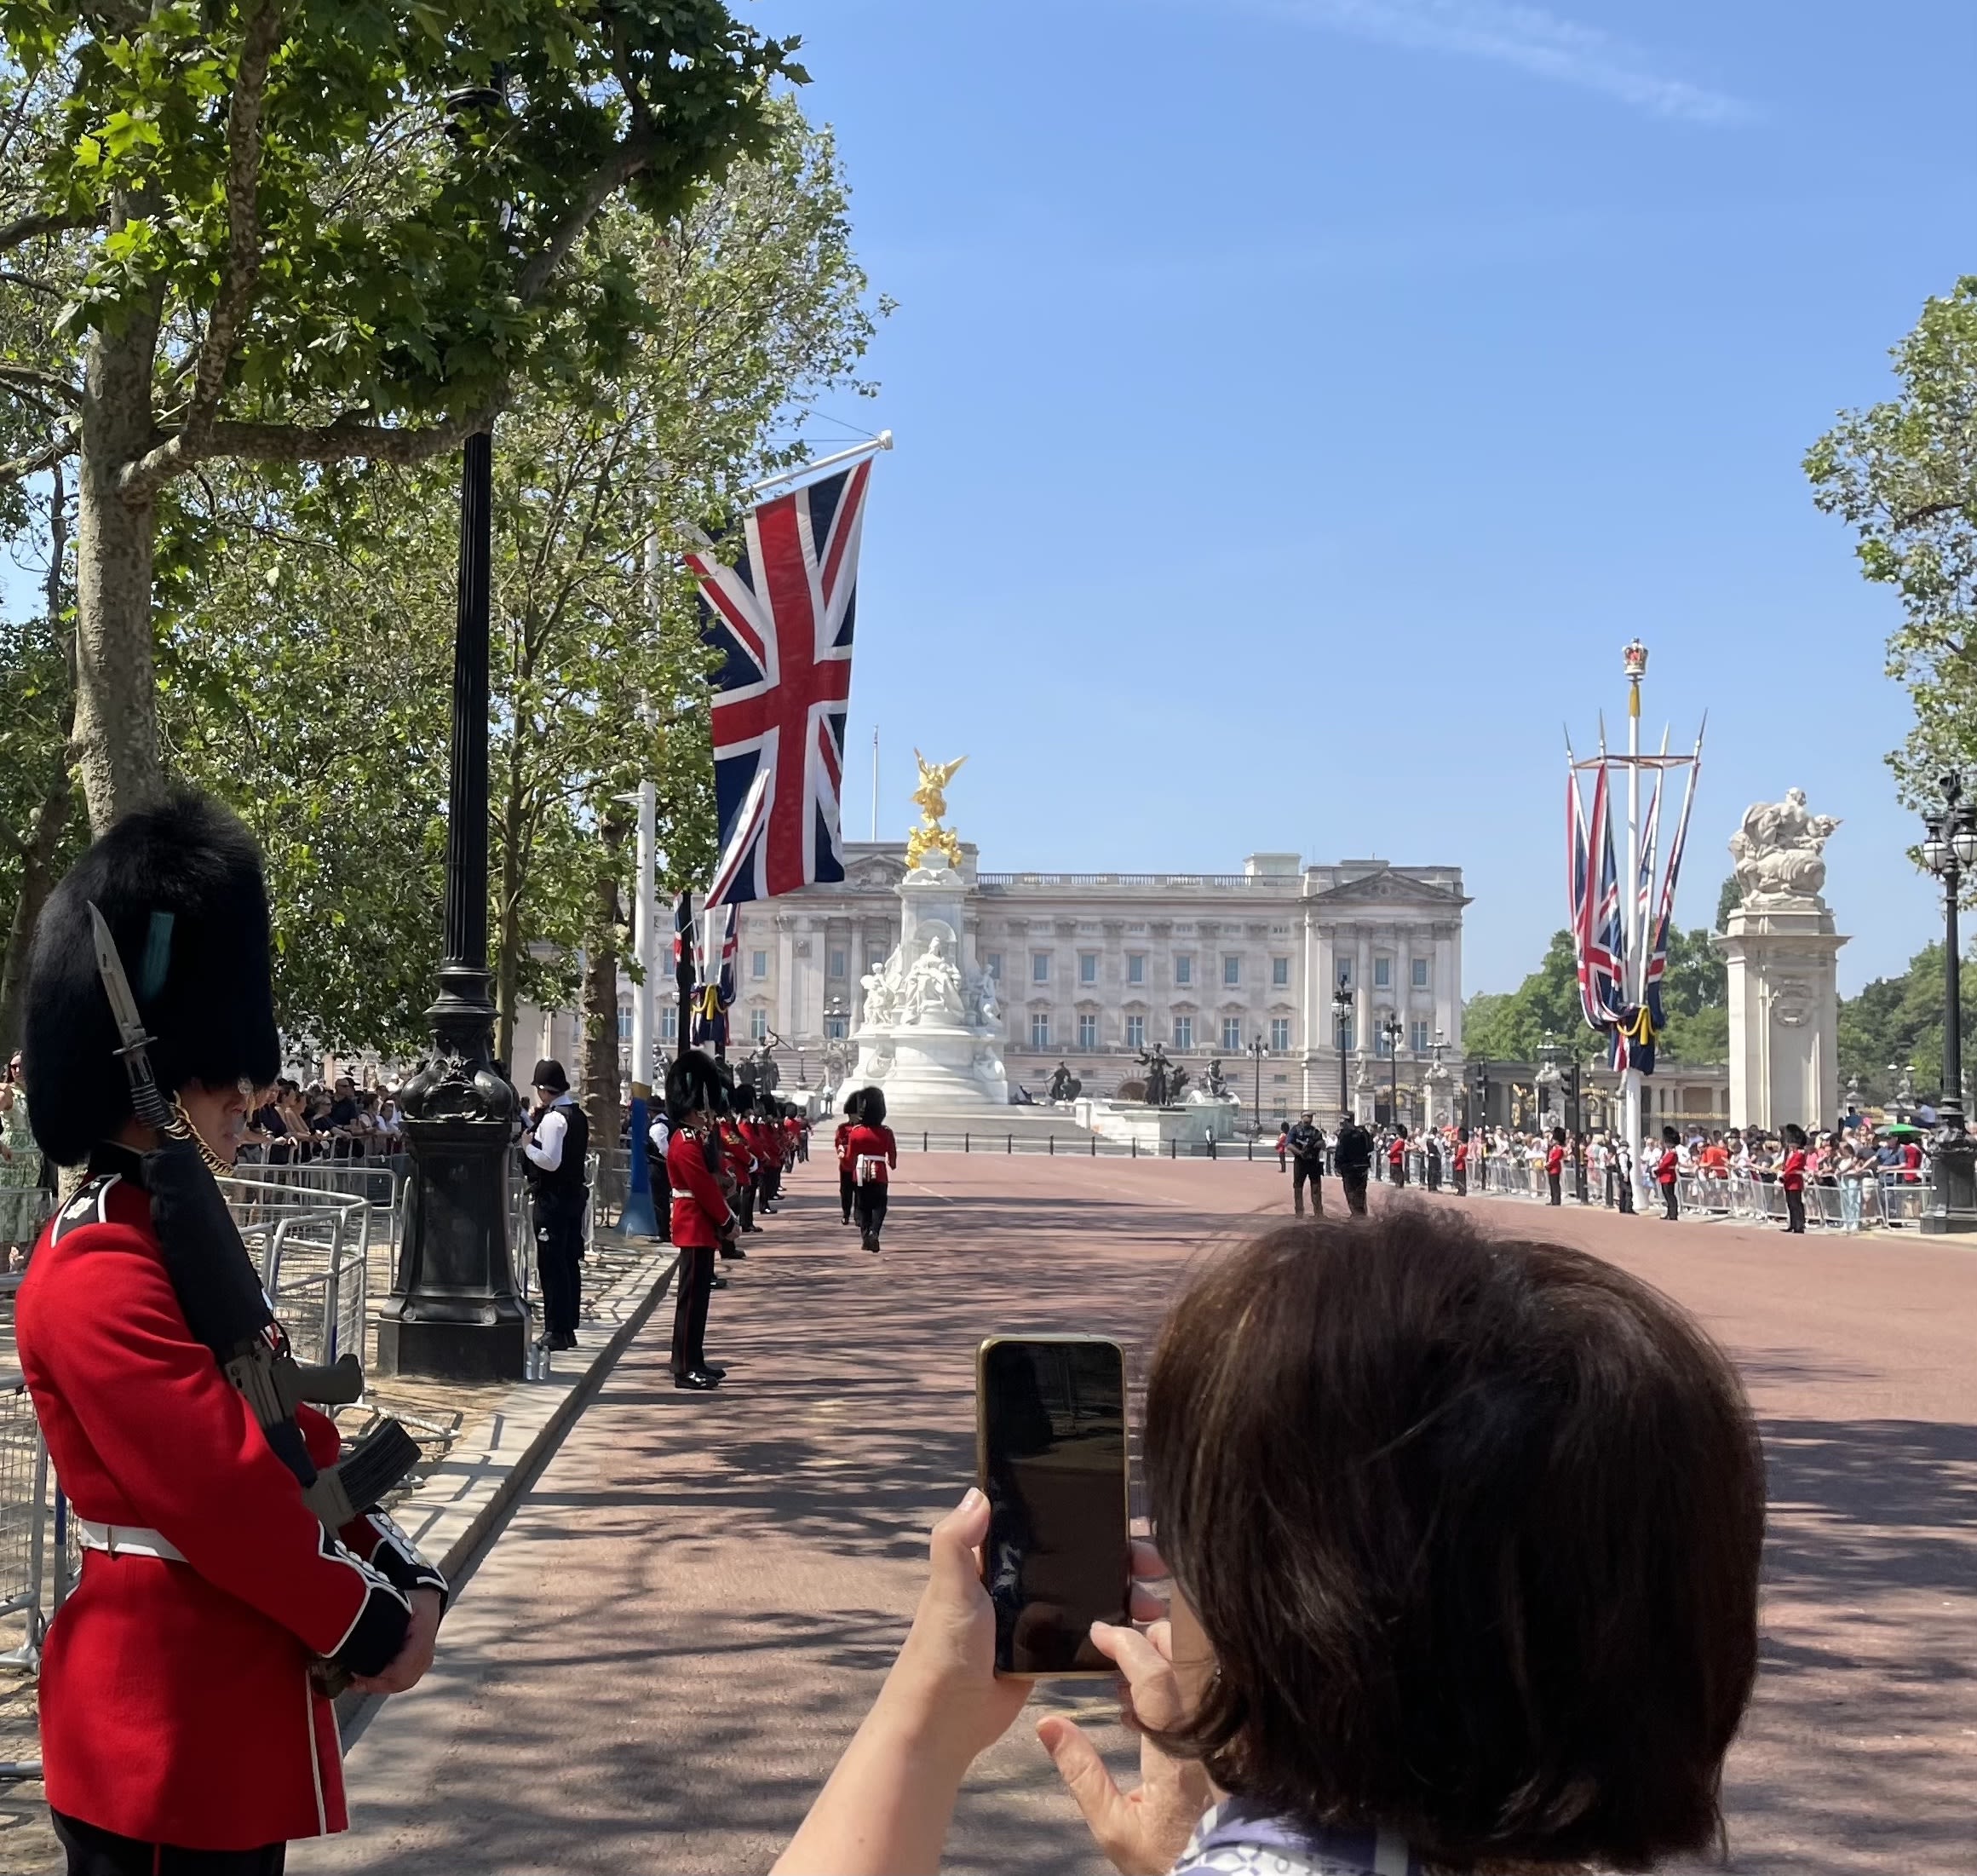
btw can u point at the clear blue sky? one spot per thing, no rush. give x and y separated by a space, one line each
1300 402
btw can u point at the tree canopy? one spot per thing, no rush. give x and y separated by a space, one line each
1904 473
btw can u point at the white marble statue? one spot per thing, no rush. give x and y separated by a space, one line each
931 990
1780 850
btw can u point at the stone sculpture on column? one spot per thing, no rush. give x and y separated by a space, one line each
1783 954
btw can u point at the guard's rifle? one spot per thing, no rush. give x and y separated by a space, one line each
220 1293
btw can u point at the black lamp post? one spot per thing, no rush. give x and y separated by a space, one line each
1393 1029
1480 1114
1342 1021
455 1312
1949 848
1257 1051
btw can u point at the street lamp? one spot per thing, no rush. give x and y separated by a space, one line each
1948 849
455 1313
1394 1029
1257 1051
1341 1019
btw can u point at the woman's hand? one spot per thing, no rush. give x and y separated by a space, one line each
407 1668
944 1685
1142 1831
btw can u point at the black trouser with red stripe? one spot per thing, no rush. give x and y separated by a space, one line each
694 1281
96 1852
847 1191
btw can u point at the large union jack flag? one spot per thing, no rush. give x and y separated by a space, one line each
781 618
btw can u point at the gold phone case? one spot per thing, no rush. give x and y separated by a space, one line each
1108 1671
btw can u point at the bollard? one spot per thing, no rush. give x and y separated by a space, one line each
922 1143
1174 1148
1136 1146
964 1142
1050 1145
1009 1142
1094 1146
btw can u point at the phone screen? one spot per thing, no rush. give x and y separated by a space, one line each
1052 1421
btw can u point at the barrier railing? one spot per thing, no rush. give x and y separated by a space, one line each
313 1245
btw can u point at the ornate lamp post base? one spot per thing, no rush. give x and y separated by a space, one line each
1953 1163
454 1312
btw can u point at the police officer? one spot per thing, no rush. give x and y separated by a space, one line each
555 1156
1352 1155
1307 1146
185 1723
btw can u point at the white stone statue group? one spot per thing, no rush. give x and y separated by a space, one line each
1780 850
931 990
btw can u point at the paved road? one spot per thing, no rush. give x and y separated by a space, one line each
657 1666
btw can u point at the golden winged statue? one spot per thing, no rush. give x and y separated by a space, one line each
931 798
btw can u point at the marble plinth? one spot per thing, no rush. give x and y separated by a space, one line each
1213 1119
1783 955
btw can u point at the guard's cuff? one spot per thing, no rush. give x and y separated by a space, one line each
372 1642
395 1558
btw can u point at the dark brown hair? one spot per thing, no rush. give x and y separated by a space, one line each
1473 1527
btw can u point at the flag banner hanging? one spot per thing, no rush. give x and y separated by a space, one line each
781 620
1620 985
714 953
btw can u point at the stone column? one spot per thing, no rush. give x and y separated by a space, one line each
1363 993
855 969
1783 955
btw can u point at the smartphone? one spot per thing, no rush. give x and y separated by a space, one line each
1050 1454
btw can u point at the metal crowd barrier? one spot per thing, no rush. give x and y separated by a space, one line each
1091 1146
313 1244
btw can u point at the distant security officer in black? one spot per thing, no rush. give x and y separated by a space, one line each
556 1150
1352 1154
1307 1163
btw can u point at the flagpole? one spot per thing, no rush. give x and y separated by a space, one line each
640 1217
874 784
1634 662
884 441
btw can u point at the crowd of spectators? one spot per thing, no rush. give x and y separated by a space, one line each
293 1124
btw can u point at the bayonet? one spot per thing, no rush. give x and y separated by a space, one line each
146 1101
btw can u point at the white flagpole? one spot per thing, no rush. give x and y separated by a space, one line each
645 942
875 785
884 441
1636 666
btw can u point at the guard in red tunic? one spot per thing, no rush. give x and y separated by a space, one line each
1555 1165
235 1570
1666 1169
703 1220
847 1188
1792 1175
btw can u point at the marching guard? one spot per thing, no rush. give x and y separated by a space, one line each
236 1568
703 1220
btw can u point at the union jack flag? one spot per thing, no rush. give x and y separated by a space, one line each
714 954
781 618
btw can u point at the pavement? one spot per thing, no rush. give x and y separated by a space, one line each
657 1664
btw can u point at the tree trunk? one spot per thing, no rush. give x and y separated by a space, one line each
601 1077
507 921
116 727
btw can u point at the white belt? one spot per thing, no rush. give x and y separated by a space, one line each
127 1540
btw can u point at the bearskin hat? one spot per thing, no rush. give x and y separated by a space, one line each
1795 1135
180 885
745 1097
852 1102
694 1085
1670 1137
871 1107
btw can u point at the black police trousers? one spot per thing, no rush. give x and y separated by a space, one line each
560 1257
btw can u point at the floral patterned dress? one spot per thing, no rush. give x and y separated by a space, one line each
21 1199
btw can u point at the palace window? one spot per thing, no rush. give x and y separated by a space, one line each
1040 1029
1383 1042
669 1022
1136 1032
1039 967
1232 970
1418 972
875 958
624 1019
758 964
1382 973
995 965
1232 1031
1136 967
1280 1033
834 1028
1088 967
1088 1031
758 1025
1184 1032
837 963
1280 973
1417 1037
1347 1031
1184 970
1345 973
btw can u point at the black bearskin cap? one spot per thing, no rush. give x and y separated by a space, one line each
871 1107
852 1102
1670 1137
745 1097
1795 1135
693 1086
181 887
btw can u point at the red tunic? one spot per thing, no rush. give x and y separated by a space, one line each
874 1143
700 1210
1554 1161
766 1141
1792 1175
1397 1152
176 1705
1666 1168
843 1136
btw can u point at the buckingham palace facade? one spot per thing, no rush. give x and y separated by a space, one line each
1095 967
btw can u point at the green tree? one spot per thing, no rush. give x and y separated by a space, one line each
1897 1022
1904 473
272 239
